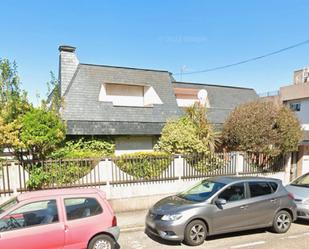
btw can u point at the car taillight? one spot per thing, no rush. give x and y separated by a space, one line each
291 196
114 222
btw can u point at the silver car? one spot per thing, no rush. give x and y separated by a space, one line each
300 189
222 205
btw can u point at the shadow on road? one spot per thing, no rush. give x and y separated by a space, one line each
302 222
237 234
209 238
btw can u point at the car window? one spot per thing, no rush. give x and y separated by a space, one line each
32 214
302 181
77 208
274 186
234 192
259 189
201 191
7 205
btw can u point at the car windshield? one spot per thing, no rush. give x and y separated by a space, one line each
10 203
202 191
302 181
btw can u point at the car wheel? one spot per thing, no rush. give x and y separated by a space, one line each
102 242
195 233
282 222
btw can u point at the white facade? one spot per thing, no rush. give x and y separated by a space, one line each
303 113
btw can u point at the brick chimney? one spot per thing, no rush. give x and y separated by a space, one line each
68 64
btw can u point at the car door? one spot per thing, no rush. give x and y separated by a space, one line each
83 220
262 203
34 225
232 216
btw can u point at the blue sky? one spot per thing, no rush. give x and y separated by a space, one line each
161 34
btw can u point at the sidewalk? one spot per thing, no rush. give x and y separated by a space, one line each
131 221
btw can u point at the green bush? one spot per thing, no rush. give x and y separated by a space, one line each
205 163
145 165
56 174
83 148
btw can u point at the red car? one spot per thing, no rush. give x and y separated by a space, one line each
58 219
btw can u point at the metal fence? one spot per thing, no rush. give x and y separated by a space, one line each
205 165
5 187
260 163
130 170
125 171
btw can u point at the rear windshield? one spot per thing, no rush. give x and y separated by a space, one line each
10 203
302 181
202 191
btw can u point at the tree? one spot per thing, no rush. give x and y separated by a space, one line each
262 127
190 134
54 100
13 105
41 132
13 100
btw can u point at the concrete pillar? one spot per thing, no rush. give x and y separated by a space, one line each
239 162
179 165
287 168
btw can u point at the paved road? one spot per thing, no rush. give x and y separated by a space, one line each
296 238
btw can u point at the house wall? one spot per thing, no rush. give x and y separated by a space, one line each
131 144
303 114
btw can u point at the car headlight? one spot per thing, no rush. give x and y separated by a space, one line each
171 217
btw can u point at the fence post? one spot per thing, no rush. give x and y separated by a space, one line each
178 164
13 176
106 174
287 167
239 163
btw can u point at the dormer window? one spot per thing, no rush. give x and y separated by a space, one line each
129 95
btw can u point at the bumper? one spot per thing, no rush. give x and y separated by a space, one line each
115 231
302 211
167 230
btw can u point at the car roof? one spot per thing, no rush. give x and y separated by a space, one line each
58 192
232 179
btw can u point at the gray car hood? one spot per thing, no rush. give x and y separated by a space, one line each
172 204
298 191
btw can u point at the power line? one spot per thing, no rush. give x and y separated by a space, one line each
245 61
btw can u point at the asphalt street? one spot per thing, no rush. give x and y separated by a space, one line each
296 238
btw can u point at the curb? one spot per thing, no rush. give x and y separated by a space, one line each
132 229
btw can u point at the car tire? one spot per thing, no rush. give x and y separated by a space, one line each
195 233
282 222
102 242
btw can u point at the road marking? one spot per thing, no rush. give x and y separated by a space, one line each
248 244
295 236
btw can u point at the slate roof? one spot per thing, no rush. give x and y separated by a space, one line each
86 115
82 103
222 99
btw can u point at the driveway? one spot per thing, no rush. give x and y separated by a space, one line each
296 238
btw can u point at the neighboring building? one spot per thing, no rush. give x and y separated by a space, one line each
132 104
296 96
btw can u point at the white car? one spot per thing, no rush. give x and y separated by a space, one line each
300 189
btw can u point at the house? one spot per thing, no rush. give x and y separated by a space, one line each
296 97
132 105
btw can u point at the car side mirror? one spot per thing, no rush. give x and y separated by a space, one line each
220 202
